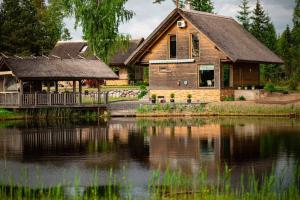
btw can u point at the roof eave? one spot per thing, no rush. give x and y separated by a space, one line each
279 62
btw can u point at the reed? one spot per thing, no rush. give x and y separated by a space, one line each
169 185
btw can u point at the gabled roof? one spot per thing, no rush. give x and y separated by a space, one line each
74 49
120 57
228 35
57 69
68 49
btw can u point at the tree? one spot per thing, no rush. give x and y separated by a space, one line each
244 14
263 29
34 30
100 22
66 35
19 31
200 5
284 48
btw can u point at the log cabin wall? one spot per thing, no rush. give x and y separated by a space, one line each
246 74
209 55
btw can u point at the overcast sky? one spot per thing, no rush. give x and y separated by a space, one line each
149 15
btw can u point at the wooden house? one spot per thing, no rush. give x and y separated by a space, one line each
33 82
76 49
206 55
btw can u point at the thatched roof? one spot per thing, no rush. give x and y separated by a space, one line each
58 69
228 35
73 49
120 57
68 49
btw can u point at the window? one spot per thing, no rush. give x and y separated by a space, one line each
195 48
84 48
172 46
206 76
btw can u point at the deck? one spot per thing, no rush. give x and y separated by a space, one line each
53 100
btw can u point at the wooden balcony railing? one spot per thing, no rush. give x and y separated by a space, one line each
51 99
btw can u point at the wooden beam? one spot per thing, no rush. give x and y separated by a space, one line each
56 86
80 92
74 86
99 90
20 92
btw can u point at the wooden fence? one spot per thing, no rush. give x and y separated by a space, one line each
51 99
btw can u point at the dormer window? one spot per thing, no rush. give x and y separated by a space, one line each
84 48
172 46
195 45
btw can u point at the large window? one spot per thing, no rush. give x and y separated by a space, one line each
206 76
172 46
195 48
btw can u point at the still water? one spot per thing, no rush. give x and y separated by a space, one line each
50 153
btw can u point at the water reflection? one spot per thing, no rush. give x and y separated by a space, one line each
59 151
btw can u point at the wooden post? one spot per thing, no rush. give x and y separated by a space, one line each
56 86
74 91
20 92
99 90
177 3
80 92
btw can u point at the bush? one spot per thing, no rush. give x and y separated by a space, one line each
242 98
293 83
143 90
142 94
172 95
189 96
153 96
269 87
228 99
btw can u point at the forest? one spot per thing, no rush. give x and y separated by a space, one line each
39 25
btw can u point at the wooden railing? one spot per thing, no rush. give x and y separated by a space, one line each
51 99
9 98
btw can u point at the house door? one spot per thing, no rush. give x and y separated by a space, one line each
227 76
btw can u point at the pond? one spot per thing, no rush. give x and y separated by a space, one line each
45 154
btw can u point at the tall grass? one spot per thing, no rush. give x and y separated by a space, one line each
169 185
221 109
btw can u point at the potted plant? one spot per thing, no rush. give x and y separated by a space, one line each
189 98
172 96
253 87
153 98
239 88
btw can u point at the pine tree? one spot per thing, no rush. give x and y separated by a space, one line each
66 35
202 5
284 48
263 29
244 14
100 21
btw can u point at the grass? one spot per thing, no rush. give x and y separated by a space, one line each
170 185
10 115
220 109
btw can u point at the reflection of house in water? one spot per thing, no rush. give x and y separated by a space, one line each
104 145
185 147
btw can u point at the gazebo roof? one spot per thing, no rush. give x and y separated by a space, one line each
42 68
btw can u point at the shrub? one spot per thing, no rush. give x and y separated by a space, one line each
228 99
293 83
242 98
189 96
269 87
142 94
172 95
153 96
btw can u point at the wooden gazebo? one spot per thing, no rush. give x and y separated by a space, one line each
30 80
